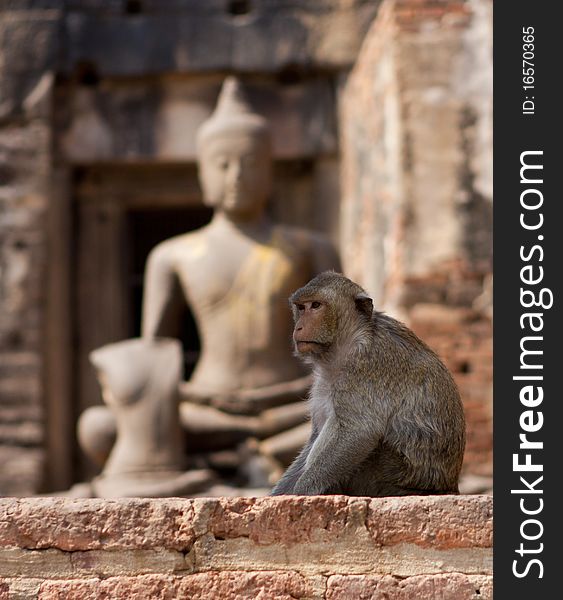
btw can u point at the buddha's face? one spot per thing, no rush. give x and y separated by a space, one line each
236 173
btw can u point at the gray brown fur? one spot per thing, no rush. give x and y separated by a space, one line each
387 418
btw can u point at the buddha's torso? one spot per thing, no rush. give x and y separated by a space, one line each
237 287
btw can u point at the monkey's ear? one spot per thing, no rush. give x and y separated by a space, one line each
364 304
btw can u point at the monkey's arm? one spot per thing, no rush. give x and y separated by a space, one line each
286 484
162 296
341 446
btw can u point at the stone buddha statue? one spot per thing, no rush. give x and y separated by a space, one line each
236 275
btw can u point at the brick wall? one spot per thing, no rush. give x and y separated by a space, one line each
25 139
46 45
331 547
416 143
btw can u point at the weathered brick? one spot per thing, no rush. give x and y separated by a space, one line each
288 521
433 521
201 586
453 586
92 524
440 522
22 469
19 589
56 564
29 40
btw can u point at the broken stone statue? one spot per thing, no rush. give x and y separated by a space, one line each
139 380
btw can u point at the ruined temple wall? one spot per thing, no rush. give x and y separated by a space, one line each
316 548
101 82
23 201
416 214
28 46
416 143
115 82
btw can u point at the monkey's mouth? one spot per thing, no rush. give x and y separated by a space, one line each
303 346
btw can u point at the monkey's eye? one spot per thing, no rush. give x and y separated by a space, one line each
300 306
315 304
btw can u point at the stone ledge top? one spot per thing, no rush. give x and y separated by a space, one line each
433 522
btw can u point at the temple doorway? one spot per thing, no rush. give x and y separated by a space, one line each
119 214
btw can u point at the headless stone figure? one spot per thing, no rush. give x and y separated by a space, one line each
236 275
139 380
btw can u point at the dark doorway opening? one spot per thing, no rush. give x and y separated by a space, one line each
147 228
119 213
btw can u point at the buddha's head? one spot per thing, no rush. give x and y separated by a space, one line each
234 155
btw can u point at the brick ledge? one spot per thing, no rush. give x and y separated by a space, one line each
322 547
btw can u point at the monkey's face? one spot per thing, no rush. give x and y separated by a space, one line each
329 311
315 323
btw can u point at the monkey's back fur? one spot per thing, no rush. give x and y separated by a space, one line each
412 394
387 417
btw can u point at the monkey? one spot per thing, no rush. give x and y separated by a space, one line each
387 417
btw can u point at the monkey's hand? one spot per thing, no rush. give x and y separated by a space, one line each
287 483
283 487
308 486
342 445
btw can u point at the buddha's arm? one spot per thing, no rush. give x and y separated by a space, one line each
162 298
250 401
278 393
